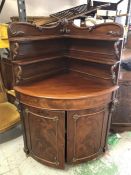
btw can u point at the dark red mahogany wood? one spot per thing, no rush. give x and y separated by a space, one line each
65 78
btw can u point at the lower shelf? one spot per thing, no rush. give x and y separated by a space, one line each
68 91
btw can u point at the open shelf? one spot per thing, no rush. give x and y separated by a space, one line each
36 60
109 62
71 85
96 37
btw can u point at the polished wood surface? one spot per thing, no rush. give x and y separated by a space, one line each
40 48
46 145
69 85
65 78
68 91
85 142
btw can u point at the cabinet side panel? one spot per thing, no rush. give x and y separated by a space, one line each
121 119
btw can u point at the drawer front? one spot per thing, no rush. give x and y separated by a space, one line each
65 104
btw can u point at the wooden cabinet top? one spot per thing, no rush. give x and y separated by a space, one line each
64 29
69 85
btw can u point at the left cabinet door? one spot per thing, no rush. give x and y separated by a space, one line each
45 135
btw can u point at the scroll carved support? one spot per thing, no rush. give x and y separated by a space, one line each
116 47
15 33
115 102
113 72
75 117
18 74
114 33
17 104
15 50
91 28
65 29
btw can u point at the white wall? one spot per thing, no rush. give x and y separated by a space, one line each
37 7
42 7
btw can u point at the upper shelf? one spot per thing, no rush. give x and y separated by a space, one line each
80 41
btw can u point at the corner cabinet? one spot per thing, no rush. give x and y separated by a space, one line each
65 78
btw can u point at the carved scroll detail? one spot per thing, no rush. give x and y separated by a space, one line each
115 102
65 29
75 117
15 50
116 47
40 28
113 72
16 33
18 74
114 33
91 28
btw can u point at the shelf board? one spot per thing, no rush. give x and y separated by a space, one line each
99 37
35 38
48 37
62 87
34 60
111 62
93 52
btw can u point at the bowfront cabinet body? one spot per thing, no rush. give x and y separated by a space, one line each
65 79
53 137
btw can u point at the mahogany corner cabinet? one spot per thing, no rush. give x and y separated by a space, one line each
65 78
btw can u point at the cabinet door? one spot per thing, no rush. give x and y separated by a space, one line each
86 134
46 135
122 114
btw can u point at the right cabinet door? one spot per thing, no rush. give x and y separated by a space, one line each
86 134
